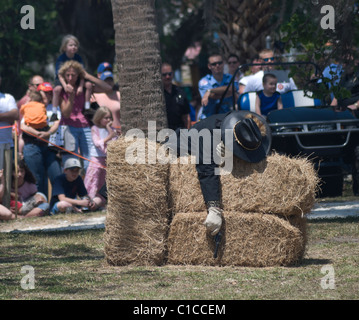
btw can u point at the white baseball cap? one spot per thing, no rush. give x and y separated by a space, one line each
72 163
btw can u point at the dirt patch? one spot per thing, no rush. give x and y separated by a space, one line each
60 221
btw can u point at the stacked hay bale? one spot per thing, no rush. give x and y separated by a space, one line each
156 211
137 213
264 207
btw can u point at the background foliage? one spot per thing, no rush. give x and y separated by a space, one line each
292 25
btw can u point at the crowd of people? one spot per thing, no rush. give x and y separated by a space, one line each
63 128
62 132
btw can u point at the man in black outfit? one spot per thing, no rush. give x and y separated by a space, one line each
177 105
235 133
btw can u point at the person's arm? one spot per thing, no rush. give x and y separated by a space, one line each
46 134
10 116
258 105
241 88
67 87
74 202
186 120
66 105
100 86
29 129
354 106
280 104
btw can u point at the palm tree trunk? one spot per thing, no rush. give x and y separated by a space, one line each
138 63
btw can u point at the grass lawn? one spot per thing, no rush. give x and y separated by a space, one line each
71 266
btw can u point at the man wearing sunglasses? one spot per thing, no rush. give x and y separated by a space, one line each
32 86
177 105
212 87
255 83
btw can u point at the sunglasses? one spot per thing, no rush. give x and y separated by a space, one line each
167 74
218 63
232 62
268 59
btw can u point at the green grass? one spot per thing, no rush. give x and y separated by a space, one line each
71 266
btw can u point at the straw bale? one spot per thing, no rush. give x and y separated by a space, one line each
137 213
249 239
278 185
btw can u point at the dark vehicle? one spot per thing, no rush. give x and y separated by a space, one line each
326 137
307 127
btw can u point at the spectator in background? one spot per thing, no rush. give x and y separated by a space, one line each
106 66
41 159
69 48
110 99
255 83
9 113
32 86
32 202
213 86
233 65
350 81
268 99
69 192
5 213
177 106
102 67
253 70
102 133
77 134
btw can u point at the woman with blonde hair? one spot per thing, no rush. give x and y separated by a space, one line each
77 130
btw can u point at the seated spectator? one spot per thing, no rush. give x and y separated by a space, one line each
253 71
255 82
31 202
68 187
5 213
268 99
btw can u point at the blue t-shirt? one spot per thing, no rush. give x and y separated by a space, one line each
71 189
268 103
63 58
209 82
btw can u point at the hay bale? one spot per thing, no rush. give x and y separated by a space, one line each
278 185
249 239
137 213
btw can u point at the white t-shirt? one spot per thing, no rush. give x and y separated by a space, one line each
7 103
254 83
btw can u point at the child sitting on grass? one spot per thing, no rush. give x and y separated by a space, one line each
68 188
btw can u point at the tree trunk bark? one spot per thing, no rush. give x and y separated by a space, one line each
138 63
